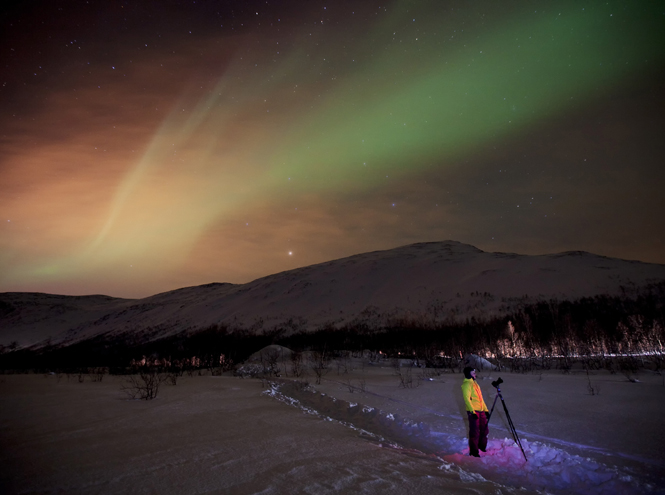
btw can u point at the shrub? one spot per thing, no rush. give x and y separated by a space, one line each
145 385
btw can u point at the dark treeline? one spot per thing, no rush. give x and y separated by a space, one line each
550 330
123 352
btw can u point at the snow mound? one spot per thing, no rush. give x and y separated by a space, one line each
272 353
478 363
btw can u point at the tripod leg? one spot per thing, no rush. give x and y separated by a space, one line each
492 410
512 427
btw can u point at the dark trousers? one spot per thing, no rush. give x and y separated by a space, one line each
478 431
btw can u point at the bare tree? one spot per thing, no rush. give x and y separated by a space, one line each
320 364
171 377
343 362
145 385
97 374
269 360
362 385
592 388
405 375
296 364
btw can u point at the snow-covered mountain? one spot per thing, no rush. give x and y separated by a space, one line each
430 281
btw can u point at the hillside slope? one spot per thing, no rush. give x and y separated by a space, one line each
434 280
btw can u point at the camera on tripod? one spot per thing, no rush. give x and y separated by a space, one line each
496 383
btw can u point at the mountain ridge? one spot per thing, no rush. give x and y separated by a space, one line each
430 280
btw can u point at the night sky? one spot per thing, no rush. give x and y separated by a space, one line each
147 146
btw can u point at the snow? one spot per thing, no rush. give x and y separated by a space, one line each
554 465
211 434
361 432
425 280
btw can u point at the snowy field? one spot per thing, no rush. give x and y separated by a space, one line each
357 432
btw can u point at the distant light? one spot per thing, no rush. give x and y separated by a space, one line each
290 253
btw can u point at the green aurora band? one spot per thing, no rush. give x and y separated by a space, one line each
413 92
501 81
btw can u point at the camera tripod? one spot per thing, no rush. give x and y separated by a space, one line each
496 384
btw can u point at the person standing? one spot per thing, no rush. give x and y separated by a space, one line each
477 412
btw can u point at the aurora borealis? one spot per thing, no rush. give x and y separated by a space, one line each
148 146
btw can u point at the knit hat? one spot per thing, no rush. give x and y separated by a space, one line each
467 371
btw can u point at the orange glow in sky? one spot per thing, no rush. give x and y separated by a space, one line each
145 150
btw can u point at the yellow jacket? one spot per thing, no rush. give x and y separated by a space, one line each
473 397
